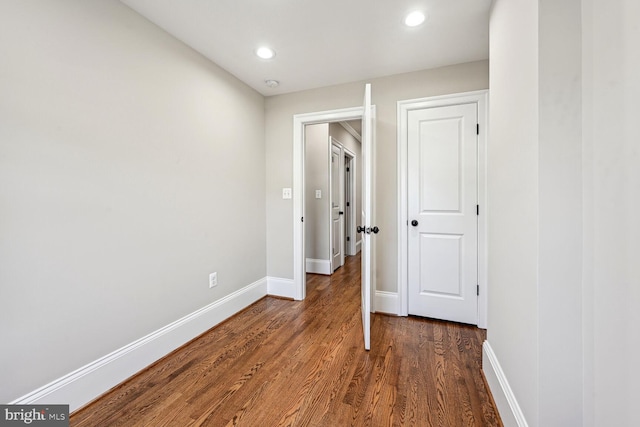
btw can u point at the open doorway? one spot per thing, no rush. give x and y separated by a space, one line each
351 237
300 194
367 115
332 193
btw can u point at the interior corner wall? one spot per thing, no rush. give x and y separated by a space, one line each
512 188
588 237
131 167
386 91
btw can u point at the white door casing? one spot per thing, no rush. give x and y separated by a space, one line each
299 122
443 194
446 204
336 173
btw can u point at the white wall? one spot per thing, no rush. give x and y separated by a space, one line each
564 162
560 213
316 177
512 188
386 92
611 89
130 168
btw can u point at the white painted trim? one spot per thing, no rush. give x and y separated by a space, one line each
94 379
403 107
483 261
506 401
279 287
358 246
386 302
318 266
351 130
299 122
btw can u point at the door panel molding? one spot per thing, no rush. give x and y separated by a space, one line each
480 98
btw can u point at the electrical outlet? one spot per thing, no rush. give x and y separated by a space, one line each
318 194
213 280
286 193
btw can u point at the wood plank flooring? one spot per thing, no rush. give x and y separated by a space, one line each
302 363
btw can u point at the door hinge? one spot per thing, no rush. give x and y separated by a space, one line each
348 204
348 239
478 210
477 289
348 169
478 129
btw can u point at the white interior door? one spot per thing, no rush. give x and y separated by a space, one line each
367 209
442 186
349 238
337 210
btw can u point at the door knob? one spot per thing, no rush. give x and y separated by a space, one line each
375 230
341 213
360 229
414 223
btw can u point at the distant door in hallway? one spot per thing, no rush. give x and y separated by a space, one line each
442 184
337 210
350 237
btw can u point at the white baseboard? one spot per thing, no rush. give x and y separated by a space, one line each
506 401
318 266
280 287
386 302
358 246
94 379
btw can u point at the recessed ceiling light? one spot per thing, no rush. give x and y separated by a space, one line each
272 83
414 19
265 52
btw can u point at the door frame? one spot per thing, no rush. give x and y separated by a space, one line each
298 197
335 143
350 214
480 98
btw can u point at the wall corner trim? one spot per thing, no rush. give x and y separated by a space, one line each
279 287
386 302
94 379
506 401
318 266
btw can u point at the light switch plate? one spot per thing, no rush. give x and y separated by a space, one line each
286 193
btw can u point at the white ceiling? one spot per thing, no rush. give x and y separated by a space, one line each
327 42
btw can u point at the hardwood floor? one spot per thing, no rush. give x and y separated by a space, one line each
302 363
